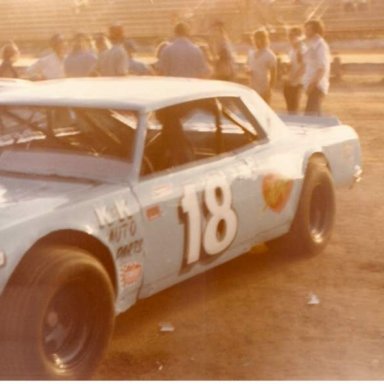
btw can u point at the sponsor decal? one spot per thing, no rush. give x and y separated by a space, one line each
153 213
119 211
130 274
123 231
276 191
162 190
130 249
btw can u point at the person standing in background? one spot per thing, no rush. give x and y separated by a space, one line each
262 65
114 61
158 51
136 67
50 66
10 54
102 43
81 61
317 64
294 84
221 47
183 58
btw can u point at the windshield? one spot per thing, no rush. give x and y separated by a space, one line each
93 132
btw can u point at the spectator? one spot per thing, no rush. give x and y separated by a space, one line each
114 61
183 58
158 51
294 83
337 68
224 61
102 43
50 66
10 54
135 67
317 62
81 61
262 64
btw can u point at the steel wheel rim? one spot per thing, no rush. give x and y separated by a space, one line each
319 215
66 329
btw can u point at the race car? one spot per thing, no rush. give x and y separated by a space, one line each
114 189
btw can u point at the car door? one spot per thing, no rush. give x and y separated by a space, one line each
196 214
190 215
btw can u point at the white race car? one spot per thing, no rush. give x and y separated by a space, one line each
114 189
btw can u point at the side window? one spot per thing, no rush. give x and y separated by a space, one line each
238 124
197 130
201 125
179 135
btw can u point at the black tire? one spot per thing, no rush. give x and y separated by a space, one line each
57 316
313 223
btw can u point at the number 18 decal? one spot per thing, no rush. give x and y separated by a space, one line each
221 221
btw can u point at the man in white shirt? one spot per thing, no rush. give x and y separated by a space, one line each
317 63
50 66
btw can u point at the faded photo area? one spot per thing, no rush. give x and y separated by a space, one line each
190 189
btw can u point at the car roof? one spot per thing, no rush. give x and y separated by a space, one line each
136 93
10 83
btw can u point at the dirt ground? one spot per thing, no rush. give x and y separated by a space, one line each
250 318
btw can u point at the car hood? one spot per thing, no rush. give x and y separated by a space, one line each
25 197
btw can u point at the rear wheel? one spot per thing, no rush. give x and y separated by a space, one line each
313 222
57 316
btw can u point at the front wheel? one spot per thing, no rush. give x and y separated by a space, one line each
313 223
57 316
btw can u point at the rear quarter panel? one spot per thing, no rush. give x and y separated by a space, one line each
341 147
338 142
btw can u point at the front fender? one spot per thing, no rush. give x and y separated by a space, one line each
126 249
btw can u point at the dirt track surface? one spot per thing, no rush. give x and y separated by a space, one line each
250 318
